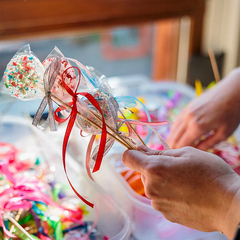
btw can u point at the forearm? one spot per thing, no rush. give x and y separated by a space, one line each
230 85
232 218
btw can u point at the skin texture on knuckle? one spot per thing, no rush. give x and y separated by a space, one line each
150 193
166 210
151 169
154 187
188 149
198 124
156 166
156 204
187 152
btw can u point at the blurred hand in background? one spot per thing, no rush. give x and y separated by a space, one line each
210 118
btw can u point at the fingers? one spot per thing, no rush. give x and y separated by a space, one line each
178 128
148 151
179 119
151 152
146 160
211 141
189 137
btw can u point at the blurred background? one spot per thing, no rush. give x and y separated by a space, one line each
162 41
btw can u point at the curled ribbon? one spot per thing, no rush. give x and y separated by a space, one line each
24 195
28 194
110 141
148 124
72 118
6 172
105 144
49 78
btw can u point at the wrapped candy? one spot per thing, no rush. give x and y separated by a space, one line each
23 76
109 108
69 77
28 207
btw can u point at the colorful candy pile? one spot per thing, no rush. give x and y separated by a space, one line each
229 151
33 205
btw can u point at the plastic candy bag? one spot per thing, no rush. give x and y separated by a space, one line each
23 77
69 76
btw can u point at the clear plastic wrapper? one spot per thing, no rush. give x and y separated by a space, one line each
23 77
99 80
26 78
83 96
65 72
109 109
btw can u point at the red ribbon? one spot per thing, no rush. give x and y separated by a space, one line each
88 156
72 118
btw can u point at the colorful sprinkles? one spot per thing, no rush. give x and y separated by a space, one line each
23 77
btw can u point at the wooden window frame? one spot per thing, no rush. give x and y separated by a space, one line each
32 18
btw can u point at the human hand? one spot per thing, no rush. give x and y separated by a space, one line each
216 111
190 187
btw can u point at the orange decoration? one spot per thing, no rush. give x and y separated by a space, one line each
134 180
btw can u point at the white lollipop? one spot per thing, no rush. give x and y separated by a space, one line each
23 77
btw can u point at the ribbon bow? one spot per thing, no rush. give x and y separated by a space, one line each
49 78
72 118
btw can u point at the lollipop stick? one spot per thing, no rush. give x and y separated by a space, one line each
133 129
121 140
130 145
16 219
19 227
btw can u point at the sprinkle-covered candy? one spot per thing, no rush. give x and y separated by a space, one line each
23 77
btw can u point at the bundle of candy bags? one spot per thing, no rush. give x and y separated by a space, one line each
82 96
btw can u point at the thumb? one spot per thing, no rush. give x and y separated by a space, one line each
135 160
